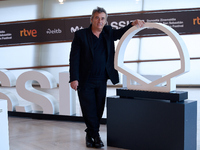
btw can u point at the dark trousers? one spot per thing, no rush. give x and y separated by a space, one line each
92 100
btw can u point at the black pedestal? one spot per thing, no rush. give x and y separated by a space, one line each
140 124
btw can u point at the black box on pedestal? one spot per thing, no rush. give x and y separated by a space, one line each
173 96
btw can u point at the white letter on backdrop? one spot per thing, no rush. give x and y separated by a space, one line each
24 88
7 80
67 95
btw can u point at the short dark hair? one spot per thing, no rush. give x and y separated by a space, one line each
99 10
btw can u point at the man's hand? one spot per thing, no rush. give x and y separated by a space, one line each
138 22
74 85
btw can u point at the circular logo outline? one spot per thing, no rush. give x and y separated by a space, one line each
146 84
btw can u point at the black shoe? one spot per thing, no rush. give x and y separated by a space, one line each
89 141
97 142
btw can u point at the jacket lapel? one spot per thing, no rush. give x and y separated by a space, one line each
107 43
90 41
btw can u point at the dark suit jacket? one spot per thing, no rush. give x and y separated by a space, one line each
81 55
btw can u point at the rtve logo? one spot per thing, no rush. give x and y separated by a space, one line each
196 20
25 32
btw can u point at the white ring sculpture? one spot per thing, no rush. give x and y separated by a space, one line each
146 84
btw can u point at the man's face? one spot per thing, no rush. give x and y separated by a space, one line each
99 20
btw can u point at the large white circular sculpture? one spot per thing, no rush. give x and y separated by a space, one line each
144 83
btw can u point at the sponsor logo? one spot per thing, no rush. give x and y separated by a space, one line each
5 36
196 21
25 32
75 29
54 31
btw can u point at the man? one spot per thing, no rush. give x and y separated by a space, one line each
91 64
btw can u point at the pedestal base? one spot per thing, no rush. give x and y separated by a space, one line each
151 124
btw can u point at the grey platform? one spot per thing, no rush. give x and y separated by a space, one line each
151 124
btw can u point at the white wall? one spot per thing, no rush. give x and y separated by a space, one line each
55 54
17 10
84 7
170 4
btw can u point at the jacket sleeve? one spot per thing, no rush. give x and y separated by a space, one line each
74 58
117 34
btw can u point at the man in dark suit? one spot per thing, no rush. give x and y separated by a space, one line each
91 64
